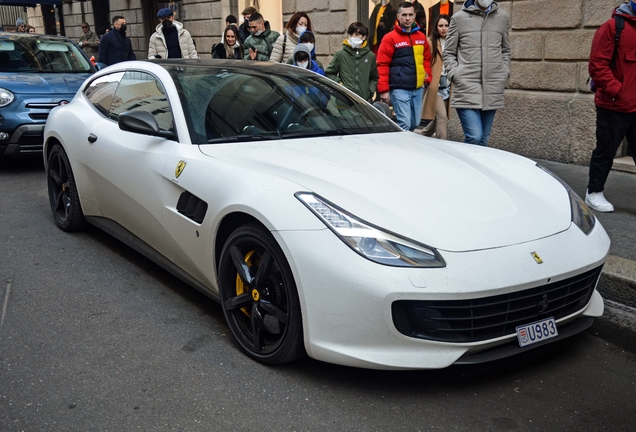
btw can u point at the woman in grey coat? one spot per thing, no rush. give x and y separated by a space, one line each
477 62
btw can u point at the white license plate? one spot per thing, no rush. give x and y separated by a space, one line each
529 334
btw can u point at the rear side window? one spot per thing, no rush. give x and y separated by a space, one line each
100 92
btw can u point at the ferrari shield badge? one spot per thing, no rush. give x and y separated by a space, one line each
536 257
179 169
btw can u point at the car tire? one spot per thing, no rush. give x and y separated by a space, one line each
259 297
63 197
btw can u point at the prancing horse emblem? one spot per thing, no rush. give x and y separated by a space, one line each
536 257
179 169
543 304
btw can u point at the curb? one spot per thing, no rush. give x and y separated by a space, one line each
618 281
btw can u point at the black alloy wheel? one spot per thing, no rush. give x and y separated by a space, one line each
63 197
259 297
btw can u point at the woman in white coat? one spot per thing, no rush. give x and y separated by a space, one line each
285 44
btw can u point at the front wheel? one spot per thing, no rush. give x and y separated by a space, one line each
63 197
259 297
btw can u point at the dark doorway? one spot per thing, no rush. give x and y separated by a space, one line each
101 15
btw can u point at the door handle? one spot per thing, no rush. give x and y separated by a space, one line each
92 138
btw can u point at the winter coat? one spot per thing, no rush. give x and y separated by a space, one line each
244 31
263 43
115 47
615 87
404 60
157 43
430 99
477 57
386 22
219 52
90 43
356 69
280 54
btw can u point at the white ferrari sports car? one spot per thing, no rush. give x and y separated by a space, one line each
321 227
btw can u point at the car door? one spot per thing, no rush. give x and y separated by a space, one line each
128 167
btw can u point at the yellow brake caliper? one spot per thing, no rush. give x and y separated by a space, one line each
240 286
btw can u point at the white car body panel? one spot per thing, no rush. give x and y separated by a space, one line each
485 210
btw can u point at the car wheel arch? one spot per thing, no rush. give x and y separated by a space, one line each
228 225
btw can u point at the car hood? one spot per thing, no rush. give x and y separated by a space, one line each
34 83
451 196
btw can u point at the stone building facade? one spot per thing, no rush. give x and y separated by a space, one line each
549 110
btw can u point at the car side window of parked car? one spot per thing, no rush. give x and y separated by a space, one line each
142 91
100 92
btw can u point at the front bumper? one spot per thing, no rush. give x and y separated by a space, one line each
346 300
24 141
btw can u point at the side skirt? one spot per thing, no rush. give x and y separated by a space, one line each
134 242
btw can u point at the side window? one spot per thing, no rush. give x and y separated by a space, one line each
100 92
142 91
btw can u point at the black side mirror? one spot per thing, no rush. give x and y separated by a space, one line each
142 122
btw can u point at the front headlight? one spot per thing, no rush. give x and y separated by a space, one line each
371 242
582 216
6 97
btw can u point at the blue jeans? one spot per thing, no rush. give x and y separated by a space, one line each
477 125
407 105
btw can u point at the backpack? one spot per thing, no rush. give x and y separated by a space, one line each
620 24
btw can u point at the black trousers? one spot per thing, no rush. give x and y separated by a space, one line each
611 128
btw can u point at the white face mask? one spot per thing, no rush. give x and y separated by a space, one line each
309 45
355 42
484 3
302 64
300 30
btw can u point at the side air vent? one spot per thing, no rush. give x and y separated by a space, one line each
192 207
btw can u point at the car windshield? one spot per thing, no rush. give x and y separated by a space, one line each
234 104
41 55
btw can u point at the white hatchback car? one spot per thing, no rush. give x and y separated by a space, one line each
318 224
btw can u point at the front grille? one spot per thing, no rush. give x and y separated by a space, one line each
31 140
492 317
39 116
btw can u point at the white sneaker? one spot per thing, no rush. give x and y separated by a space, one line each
597 201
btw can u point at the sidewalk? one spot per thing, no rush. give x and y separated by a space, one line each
618 281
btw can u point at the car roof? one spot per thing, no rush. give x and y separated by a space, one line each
16 36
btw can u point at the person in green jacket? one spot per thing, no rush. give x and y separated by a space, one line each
354 65
258 46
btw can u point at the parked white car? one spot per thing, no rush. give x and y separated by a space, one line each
318 224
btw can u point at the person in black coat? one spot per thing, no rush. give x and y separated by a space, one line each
244 30
231 47
385 24
115 46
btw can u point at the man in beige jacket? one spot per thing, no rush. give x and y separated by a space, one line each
170 40
477 62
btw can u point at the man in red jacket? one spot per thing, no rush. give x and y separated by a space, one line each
613 68
404 68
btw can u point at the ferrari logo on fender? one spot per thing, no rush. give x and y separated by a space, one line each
255 295
179 169
536 257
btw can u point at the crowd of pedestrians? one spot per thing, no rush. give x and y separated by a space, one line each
464 64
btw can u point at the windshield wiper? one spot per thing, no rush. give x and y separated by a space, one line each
314 133
242 138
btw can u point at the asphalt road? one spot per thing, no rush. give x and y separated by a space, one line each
95 337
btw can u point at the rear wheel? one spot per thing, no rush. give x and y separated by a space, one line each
259 296
63 197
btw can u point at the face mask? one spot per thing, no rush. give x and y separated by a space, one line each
166 24
303 64
258 33
484 3
122 29
355 42
300 29
309 45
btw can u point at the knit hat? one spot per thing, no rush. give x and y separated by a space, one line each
19 22
165 13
